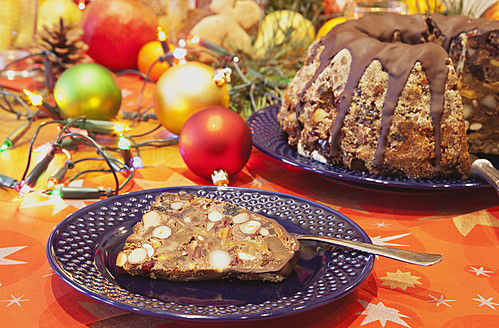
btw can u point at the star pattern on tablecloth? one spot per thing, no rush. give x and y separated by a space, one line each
126 92
383 241
380 312
149 184
15 300
440 300
480 271
111 316
466 222
49 274
6 251
175 179
59 203
400 279
488 302
382 224
258 182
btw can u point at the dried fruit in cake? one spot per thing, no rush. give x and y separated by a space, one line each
381 94
184 238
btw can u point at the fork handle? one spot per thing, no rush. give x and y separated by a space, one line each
390 252
484 169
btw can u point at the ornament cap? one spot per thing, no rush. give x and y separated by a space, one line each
222 76
220 178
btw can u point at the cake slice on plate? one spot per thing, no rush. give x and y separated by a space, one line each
184 237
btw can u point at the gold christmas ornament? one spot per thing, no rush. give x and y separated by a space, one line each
185 89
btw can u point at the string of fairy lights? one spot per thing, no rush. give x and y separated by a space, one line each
79 131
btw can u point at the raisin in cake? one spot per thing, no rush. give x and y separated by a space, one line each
184 237
382 94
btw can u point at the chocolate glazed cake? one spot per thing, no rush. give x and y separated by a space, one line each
381 94
184 238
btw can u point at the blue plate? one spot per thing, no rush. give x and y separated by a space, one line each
271 140
82 250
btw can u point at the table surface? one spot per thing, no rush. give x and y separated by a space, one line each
463 226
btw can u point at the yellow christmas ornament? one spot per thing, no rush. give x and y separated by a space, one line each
329 25
185 89
283 28
424 6
16 31
50 11
492 13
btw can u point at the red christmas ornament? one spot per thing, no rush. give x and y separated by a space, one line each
215 138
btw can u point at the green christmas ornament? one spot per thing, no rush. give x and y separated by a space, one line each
88 90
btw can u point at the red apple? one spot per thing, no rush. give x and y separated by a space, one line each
115 30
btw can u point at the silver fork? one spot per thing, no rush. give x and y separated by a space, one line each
484 169
412 257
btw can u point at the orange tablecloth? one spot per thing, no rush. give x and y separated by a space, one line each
463 226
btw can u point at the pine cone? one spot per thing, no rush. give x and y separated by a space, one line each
65 42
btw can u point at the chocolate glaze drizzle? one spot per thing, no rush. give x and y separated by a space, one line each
375 37
451 26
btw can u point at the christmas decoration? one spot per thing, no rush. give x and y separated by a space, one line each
329 25
470 8
148 60
15 136
263 77
64 41
185 89
82 4
423 6
215 138
51 11
115 30
357 9
493 12
333 6
87 90
286 29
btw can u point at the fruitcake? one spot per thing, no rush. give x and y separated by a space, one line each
183 237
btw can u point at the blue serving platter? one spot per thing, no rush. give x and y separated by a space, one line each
269 138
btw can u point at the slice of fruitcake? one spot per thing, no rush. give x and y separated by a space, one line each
184 237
